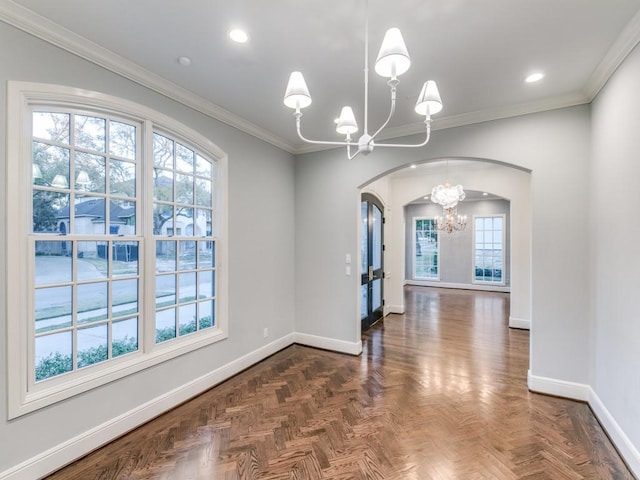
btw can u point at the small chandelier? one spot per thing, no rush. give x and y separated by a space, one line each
392 61
448 197
450 221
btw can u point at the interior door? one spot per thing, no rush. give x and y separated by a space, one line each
371 273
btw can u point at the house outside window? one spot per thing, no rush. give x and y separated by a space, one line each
488 249
116 247
426 249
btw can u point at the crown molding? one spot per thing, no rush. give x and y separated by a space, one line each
624 44
43 28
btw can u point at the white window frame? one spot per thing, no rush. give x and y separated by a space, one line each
23 395
504 247
413 249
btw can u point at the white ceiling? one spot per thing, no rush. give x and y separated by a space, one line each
478 52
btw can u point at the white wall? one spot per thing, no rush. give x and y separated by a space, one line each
260 246
615 255
553 145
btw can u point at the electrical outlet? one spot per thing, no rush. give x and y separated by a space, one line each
266 332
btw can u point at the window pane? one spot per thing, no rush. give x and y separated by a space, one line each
122 140
50 212
53 355
162 219
377 238
92 302
165 325
497 237
125 337
203 166
53 308
163 185
51 126
125 258
206 284
377 294
364 234
93 260
205 254
90 133
124 297
206 314
184 159
165 290
184 188
203 223
122 178
162 151
165 256
92 345
185 215
123 217
187 287
89 215
497 223
364 299
187 318
90 172
203 192
50 165
53 262
187 259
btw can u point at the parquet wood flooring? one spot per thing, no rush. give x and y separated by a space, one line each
438 393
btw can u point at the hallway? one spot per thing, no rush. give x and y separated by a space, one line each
438 393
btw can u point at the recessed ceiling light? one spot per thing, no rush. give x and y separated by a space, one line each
484 194
534 77
238 35
184 61
413 165
426 198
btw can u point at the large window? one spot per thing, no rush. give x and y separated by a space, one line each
488 233
426 250
115 242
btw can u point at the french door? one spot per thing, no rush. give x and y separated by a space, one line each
371 273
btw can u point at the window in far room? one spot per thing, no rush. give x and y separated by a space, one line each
426 249
488 254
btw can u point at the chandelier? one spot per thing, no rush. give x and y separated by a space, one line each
451 221
392 61
448 197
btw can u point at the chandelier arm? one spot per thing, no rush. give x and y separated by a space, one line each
391 112
319 142
426 140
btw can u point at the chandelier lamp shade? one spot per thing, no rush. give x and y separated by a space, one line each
392 61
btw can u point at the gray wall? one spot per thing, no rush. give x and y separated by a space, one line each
259 174
614 257
456 251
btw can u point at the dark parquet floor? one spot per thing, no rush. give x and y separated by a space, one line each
438 393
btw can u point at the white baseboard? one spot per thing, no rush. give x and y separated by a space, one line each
463 286
351 348
559 388
61 455
519 323
582 392
627 450
399 309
